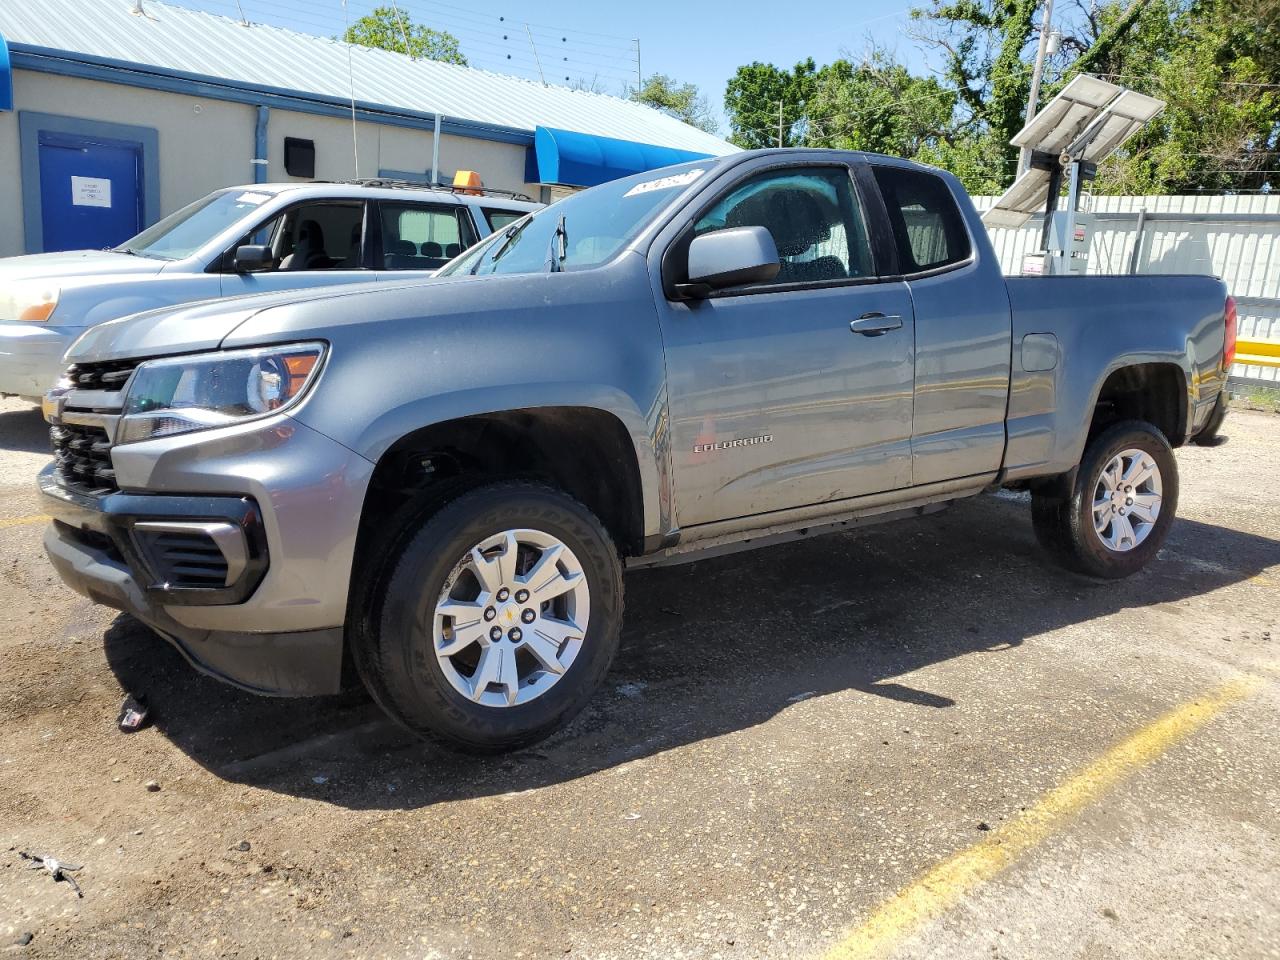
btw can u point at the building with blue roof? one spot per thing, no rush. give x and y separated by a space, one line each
167 103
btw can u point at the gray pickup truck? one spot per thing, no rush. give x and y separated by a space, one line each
436 486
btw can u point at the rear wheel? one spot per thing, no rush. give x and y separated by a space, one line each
1120 507
499 619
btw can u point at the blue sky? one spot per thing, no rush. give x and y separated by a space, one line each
589 41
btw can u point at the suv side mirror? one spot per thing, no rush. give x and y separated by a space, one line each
728 258
252 258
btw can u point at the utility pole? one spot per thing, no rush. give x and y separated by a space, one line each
779 123
639 75
1033 99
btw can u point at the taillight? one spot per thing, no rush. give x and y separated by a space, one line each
1229 347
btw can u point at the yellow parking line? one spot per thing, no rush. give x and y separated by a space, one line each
23 521
943 886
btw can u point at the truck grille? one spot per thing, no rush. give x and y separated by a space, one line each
83 457
108 375
81 442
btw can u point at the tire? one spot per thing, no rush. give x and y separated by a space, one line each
397 656
1065 526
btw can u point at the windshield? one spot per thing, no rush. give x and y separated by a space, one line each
183 233
596 223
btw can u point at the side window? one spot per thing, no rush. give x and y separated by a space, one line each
313 236
420 237
501 218
927 226
813 215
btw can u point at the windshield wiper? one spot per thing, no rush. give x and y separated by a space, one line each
558 248
507 236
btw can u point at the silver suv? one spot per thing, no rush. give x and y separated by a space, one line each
250 239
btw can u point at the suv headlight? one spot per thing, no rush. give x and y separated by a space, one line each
206 390
29 300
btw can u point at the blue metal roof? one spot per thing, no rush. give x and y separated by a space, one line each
582 160
170 41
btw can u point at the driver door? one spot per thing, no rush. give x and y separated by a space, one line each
313 245
795 392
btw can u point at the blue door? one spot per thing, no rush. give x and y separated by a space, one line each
90 191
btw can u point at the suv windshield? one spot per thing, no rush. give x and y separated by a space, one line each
183 233
597 223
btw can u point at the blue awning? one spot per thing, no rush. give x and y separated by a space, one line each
6 77
583 160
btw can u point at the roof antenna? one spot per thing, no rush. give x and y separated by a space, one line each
403 34
351 79
532 47
137 10
244 21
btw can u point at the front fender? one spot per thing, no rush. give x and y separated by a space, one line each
409 356
646 428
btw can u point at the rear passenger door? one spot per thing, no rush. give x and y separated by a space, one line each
962 327
417 239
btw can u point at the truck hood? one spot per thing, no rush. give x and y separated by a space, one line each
187 328
77 264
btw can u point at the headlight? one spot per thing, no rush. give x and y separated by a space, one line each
29 300
207 390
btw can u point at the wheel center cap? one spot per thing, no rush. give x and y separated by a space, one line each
509 614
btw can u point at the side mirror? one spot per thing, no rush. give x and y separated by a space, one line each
729 258
252 258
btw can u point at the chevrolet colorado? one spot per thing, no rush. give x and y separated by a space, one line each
437 485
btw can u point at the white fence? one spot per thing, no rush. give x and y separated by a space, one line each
1236 238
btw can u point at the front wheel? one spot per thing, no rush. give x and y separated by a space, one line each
1120 508
499 619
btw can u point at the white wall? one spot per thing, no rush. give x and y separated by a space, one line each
207 144
386 147
1236 238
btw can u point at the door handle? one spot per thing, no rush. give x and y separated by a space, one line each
875 324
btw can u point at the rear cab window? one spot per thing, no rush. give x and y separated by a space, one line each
928 228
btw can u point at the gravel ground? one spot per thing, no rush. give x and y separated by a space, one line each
787 738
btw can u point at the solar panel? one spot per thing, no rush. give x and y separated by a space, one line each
1088 119
1025 197
1122 118
1066 115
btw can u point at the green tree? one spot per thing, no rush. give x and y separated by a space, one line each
388 29
1216 63
680 100
988 47
879 106
765 102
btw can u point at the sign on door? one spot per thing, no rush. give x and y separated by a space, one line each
90 192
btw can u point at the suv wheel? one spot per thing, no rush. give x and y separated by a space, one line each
499 619
1121 507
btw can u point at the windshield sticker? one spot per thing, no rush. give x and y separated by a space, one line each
666 183
254 198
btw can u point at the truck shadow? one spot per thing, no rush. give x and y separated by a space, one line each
22 428
708 649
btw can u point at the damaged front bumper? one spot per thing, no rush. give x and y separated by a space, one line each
152 555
